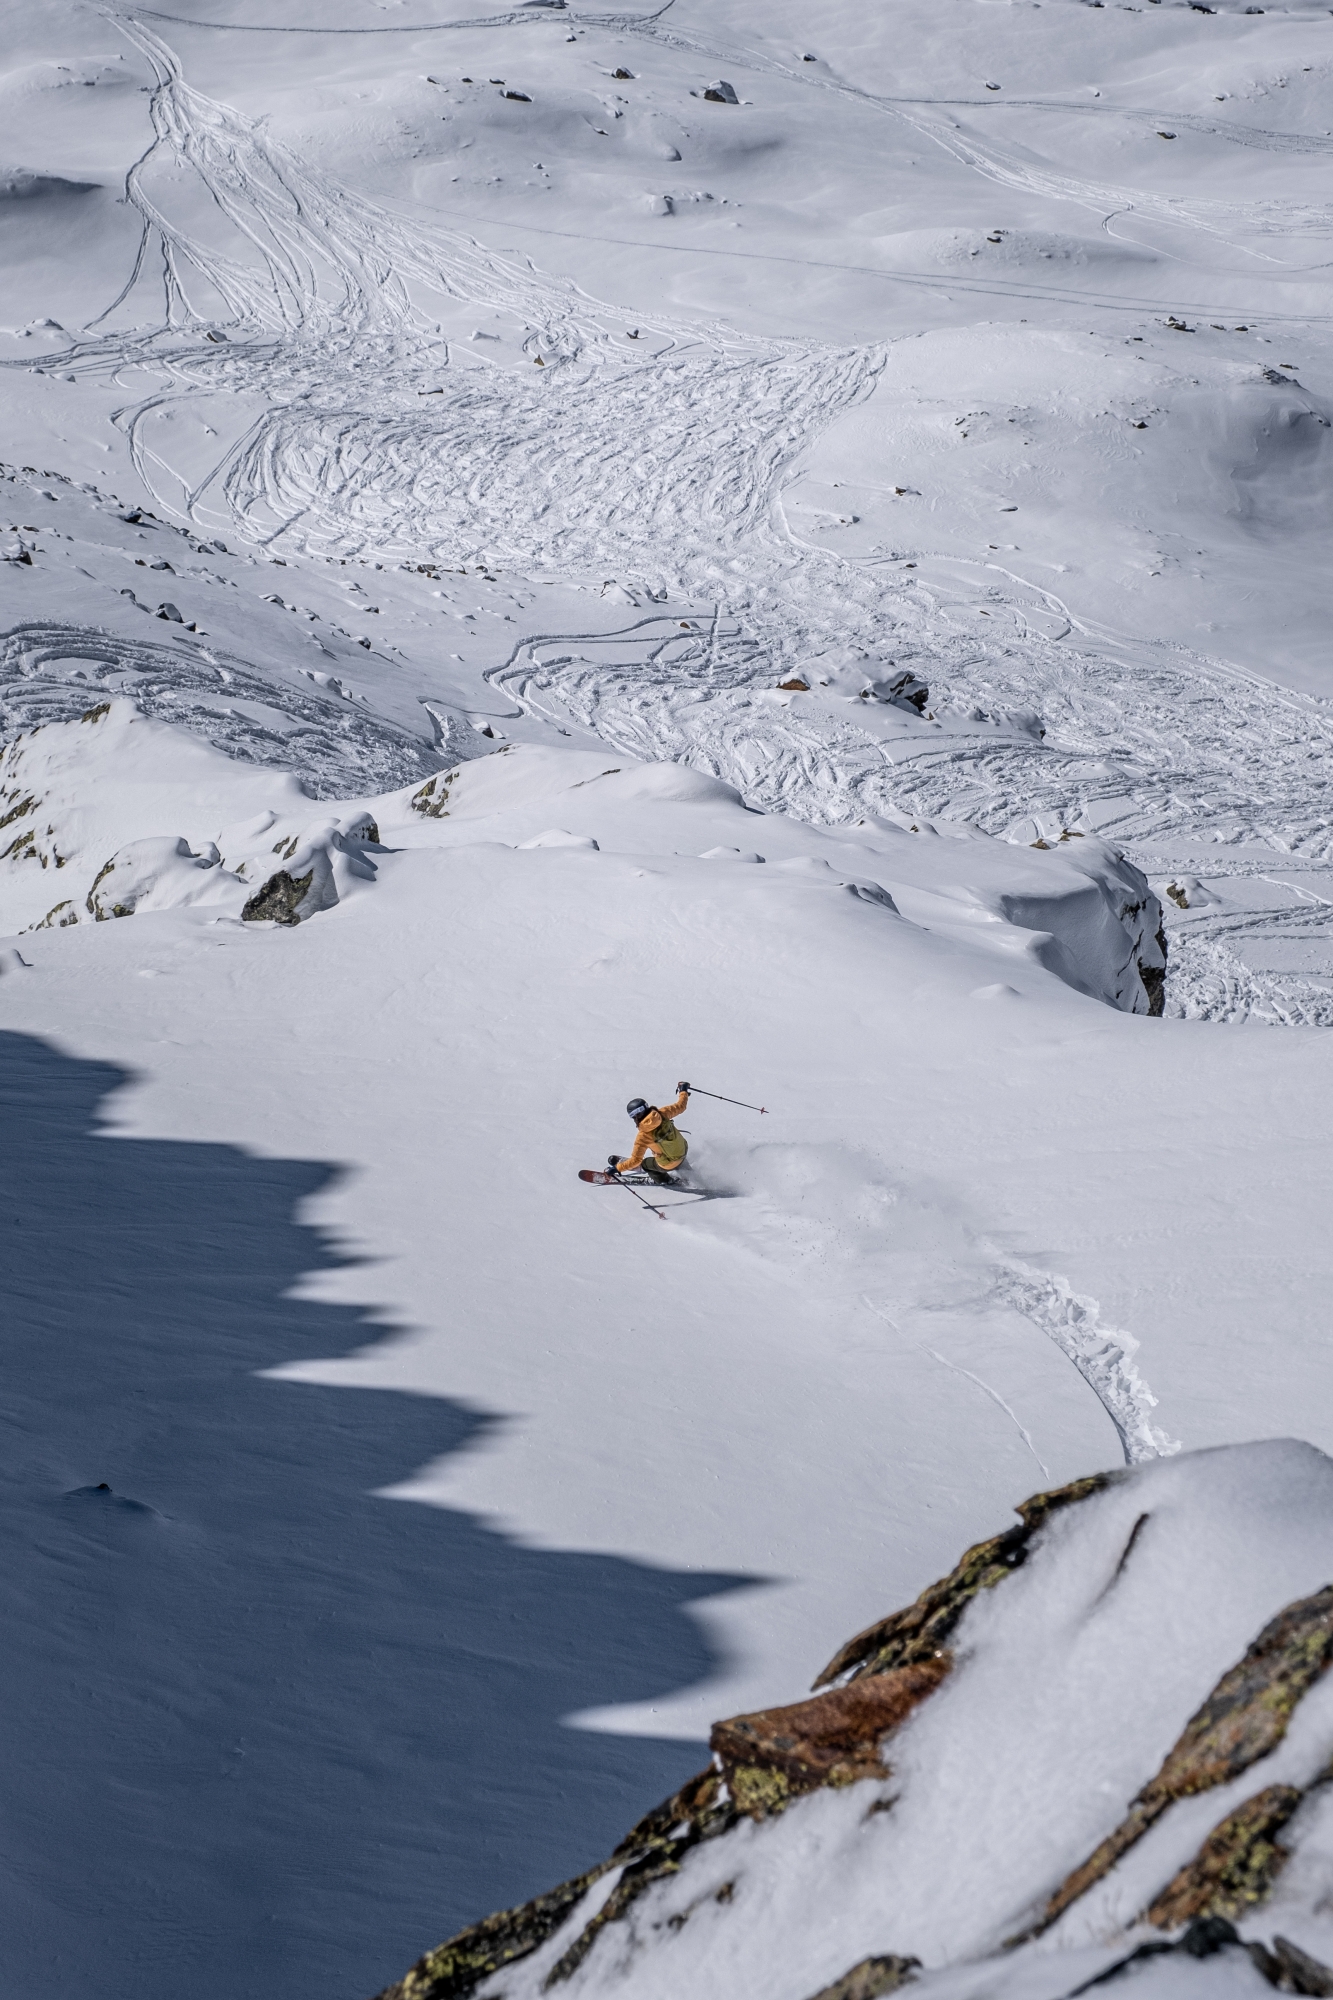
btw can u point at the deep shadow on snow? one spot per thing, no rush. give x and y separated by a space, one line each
267 1736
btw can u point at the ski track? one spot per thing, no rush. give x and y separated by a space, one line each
54 673
1101 1354
997 1398
1022 170
665 470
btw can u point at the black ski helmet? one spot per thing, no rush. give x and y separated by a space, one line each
638 1110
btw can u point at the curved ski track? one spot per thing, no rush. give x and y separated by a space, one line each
1103 1355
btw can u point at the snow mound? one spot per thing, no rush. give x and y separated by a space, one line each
88 804
320 864
159 874
558 836
1083 1741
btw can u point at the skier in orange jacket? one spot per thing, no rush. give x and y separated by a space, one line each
656 1134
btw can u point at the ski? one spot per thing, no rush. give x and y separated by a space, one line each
603 1179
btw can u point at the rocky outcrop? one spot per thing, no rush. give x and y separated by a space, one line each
1153 975
455 1968
902 690
747 1861
432 800
318 861
1299 1972
151 873
762 1762
699 1811
1285 1966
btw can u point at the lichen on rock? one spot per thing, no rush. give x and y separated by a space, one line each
433 798
279 899
459 1965
1244 1717
1236 1866
651 1850
872 1978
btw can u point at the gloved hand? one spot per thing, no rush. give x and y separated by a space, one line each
613 1161
682 1086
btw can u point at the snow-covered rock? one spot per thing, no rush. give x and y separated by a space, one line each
157 874
71 791
1106 1724
319 864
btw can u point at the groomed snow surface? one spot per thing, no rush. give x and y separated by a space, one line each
523 582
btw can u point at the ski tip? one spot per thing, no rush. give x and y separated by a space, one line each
587 1174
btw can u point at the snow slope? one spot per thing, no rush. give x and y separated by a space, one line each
397 404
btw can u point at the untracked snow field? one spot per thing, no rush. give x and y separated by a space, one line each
779 546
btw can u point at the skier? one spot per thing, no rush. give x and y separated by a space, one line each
656 1134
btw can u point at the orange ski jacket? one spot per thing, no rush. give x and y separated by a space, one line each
657 1133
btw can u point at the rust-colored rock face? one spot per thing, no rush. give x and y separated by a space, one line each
832 1739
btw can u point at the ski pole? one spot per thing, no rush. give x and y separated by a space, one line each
762 1109
638 1197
